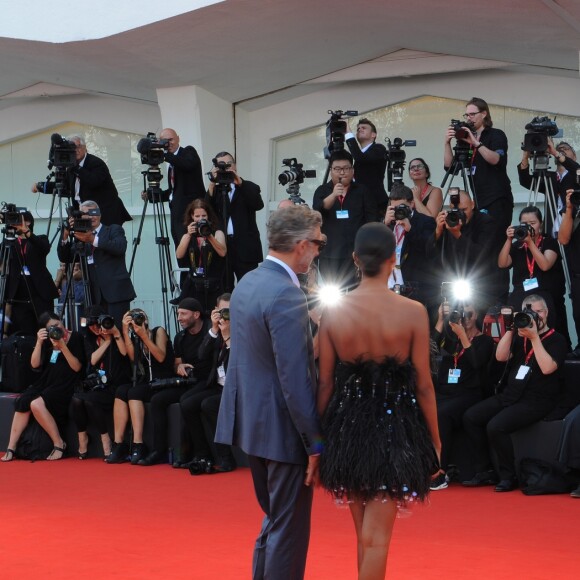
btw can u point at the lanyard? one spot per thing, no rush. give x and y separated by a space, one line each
458 355
531 263
529 354
23 248
423 193
399 239
341 199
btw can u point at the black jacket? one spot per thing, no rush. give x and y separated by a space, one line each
369 169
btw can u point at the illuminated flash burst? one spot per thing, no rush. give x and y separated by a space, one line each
329 295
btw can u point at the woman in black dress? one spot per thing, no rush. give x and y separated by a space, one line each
205 248
427 197
108 367
537 268
59 357
377 400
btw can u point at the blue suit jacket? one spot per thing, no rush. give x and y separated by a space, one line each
268 406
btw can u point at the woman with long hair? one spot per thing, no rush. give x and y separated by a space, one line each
428 198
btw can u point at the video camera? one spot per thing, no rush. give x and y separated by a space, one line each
62 153
11 217
396 159
538 131
461 128
336 129
293 177
152 151
223 174
81 225
454 215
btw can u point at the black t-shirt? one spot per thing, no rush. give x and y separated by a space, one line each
116 366
573 252
552 280
186 347
491 182
535 386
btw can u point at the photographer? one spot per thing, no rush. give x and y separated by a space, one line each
370 160
184 178
151 354
465 354
464 246
204 247
428 198
90 179
188 366
214 351
59 358
236 208
345 206
562 179
537 266
536 353
104 248
108 367
29 288
569 236
412 232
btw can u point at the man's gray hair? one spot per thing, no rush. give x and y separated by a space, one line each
78 138
534 298
290 225
89 203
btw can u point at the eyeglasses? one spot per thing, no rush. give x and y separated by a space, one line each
344 169
416 167
320 243
469 315
471 115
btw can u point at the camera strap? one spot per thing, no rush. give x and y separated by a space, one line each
529 354
531 262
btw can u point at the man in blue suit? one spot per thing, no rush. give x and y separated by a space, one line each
268 405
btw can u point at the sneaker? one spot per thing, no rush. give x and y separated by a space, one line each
439 482
139 452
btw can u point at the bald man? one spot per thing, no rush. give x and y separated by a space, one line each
184 180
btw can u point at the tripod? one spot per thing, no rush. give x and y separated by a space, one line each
460 165
155 196
293 192
221 191
541 181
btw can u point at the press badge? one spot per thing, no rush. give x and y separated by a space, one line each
342 214
530 283
54 356
221 372
454 375
199 271
522 372
90 259
473 168
25 270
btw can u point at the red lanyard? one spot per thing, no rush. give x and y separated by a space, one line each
23 248
422 194
341 199
399 239
529 354
458 355
532 262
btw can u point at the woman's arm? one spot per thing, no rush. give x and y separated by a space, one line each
326 364
218 243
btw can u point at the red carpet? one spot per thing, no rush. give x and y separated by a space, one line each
73 519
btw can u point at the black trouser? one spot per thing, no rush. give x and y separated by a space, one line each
492 421
92 407
235 265
210 407
450 410
191 404
160 402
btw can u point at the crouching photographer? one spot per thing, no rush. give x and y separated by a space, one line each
108 367
204 248
534 353
465 354
151 354
215 349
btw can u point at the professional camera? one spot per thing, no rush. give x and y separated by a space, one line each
295 173
55 332
204 228
62 153
403 212
455 215
224 313
10 215
461 128
526 317
456 316
201 466
105 321
396 159
538 131
152 150
404 289
81 225
157 384
94 381
223 175
336 129
137 317
522 231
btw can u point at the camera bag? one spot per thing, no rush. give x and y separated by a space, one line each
539 477
17 373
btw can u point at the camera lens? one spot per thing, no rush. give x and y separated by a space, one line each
55 332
